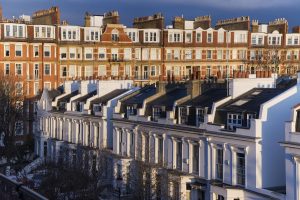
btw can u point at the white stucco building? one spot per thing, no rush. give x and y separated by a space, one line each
291 145
213 146
222 146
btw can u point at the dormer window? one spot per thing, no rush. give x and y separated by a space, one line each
274 40
15 30
151 36
249 117
44 32
209 37
78 106
92 34
157 113
234 120
132 36
198 37
183 115
188 37
131 111
62 106
199 116
97 108
115 35
70 33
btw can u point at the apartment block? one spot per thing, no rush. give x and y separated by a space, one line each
46 52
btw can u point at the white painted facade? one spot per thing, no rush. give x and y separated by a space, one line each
246 170
139 139
291 145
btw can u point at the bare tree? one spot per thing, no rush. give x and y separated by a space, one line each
264 60
11 115
80 173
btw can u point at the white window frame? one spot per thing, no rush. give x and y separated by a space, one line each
45 48
16 70
34 51
45 66
234 120
102 70
19 48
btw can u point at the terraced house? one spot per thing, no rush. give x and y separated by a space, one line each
220 146
213 141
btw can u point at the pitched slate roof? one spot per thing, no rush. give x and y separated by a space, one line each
68 97
207 98
53 94
140 96
86 97
251 100
169 98
105 98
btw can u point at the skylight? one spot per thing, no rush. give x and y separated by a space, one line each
240 102
256 92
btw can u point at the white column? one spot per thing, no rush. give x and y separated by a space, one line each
116 141
213 160
101 142
127 142
297 177
209 161
70 130
174 146
165 150
77 132
184 154
135 135
190 147
202 159
143 144
233 165
156 145
169 152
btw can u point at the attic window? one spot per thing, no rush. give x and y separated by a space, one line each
240 102
115 35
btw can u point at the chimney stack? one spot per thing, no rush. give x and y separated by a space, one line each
194 85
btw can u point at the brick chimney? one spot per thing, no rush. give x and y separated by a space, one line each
178 23
194 85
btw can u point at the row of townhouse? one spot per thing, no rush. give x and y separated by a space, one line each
43 56
218 142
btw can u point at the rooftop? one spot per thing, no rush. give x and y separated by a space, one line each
251 100
169 98
86 97
105 98
68 97
207 98
139 97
